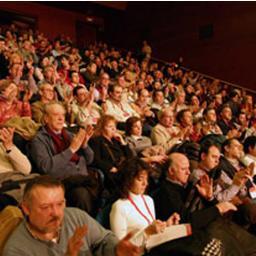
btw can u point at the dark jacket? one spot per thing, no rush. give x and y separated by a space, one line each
172 197
108 154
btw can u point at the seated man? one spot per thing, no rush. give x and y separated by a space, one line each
51 229
84 110
165 133
250 152
56 152
46 93
226 123
176 194
231 181
210 125
114 106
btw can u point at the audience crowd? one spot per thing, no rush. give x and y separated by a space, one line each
89 117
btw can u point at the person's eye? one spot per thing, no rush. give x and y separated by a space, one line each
46 207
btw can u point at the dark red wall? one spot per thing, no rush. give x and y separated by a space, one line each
50 20
173 30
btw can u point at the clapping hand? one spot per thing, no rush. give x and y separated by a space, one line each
88 134
205 187
76 241
6 136
126 248
77 140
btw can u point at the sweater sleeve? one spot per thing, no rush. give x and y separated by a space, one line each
118 221
100 156
19 161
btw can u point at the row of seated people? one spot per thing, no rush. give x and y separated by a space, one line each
232 182
162 106
134 218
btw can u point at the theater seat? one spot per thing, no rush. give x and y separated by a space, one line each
10 217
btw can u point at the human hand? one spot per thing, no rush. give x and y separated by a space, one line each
205 187
126 248
27 96
158 159
120 138
236 201
88 134
77 140
224 207
240 178
157 226
113 170
6 136
174 219
75 242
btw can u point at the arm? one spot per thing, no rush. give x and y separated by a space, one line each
118 221
101 156
170 201
19 161
225 189
88 154
159 138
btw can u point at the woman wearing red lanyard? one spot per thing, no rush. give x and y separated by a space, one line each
135 211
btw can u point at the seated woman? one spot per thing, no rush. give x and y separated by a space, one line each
10 106
110 150
134 210
141 145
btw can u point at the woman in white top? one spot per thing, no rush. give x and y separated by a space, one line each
134 211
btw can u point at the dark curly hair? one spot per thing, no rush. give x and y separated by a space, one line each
128 171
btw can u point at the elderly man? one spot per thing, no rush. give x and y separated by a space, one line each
51 229
165 133
176 195
56 152
47 95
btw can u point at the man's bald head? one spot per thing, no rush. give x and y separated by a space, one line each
178 170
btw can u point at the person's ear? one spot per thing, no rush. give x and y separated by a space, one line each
203 156
46 119
226 148
25 208
170 171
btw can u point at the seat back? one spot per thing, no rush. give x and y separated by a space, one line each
10 217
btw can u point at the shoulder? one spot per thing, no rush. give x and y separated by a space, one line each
159 127
19 241
121 205
197 174
149 200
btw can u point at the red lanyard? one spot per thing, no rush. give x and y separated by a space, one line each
139 211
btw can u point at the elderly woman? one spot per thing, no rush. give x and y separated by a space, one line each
135 211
